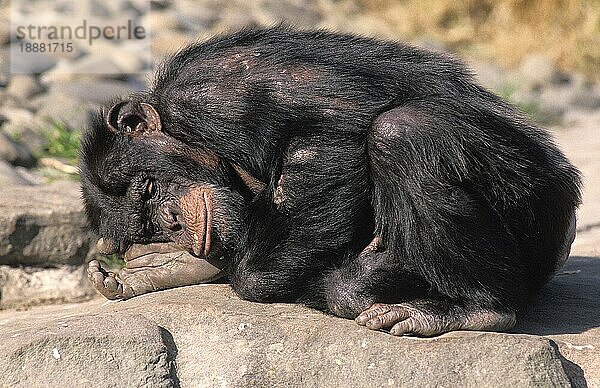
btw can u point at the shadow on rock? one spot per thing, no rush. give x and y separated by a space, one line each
569 304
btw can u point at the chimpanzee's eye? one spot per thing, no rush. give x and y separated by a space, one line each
150 189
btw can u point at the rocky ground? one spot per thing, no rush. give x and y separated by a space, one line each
206 336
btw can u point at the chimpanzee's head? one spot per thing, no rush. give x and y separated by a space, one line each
141 185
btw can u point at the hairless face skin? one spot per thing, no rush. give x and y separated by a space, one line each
368 179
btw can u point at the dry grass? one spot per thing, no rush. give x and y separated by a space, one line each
504 31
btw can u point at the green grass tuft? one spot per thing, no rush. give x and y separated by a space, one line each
62 142
112 262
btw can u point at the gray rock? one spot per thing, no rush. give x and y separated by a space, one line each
489 75
169 43
31 62
568 312
96 91
161 20
552 104
304 13
30 176
4 67
87 65
4 25
222 340
59 107
9 177
109 350
43 225
15 153
24 86
586 98
30 135
27 286
17 115
131 57
99 9
537 71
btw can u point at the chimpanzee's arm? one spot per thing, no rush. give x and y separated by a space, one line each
318 214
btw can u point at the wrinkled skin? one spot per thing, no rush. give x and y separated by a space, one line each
154 267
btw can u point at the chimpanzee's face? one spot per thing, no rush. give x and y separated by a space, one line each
141 185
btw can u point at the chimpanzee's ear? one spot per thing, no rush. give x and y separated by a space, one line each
152 118
133 119
112 117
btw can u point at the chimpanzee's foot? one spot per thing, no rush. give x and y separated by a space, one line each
429 318
153 267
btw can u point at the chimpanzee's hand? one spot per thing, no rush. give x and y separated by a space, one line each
153 267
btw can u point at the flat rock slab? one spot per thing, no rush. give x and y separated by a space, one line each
109 350
42 226
31 286
568 312
215 339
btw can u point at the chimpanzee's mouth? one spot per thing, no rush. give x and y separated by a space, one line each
197 215
207 238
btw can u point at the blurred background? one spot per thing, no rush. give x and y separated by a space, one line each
544 56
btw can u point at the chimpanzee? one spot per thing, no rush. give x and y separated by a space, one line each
369 179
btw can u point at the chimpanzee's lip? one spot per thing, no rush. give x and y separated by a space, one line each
201 248
208 227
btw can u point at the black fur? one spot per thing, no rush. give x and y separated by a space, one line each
355 138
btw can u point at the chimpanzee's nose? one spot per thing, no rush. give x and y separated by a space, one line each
170 218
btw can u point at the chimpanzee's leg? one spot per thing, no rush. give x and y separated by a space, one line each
373 276
461 204
434 223
411 307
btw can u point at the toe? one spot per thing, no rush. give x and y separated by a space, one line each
372 312
407 326
394 315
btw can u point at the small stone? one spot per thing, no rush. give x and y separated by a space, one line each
163 20
130 57
16 115
169 43
28 134
89 65
489 75
8 178
4 25
15 153
586 98
30 176
31 62
24 86
537 71
4 67
95 91
61 108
